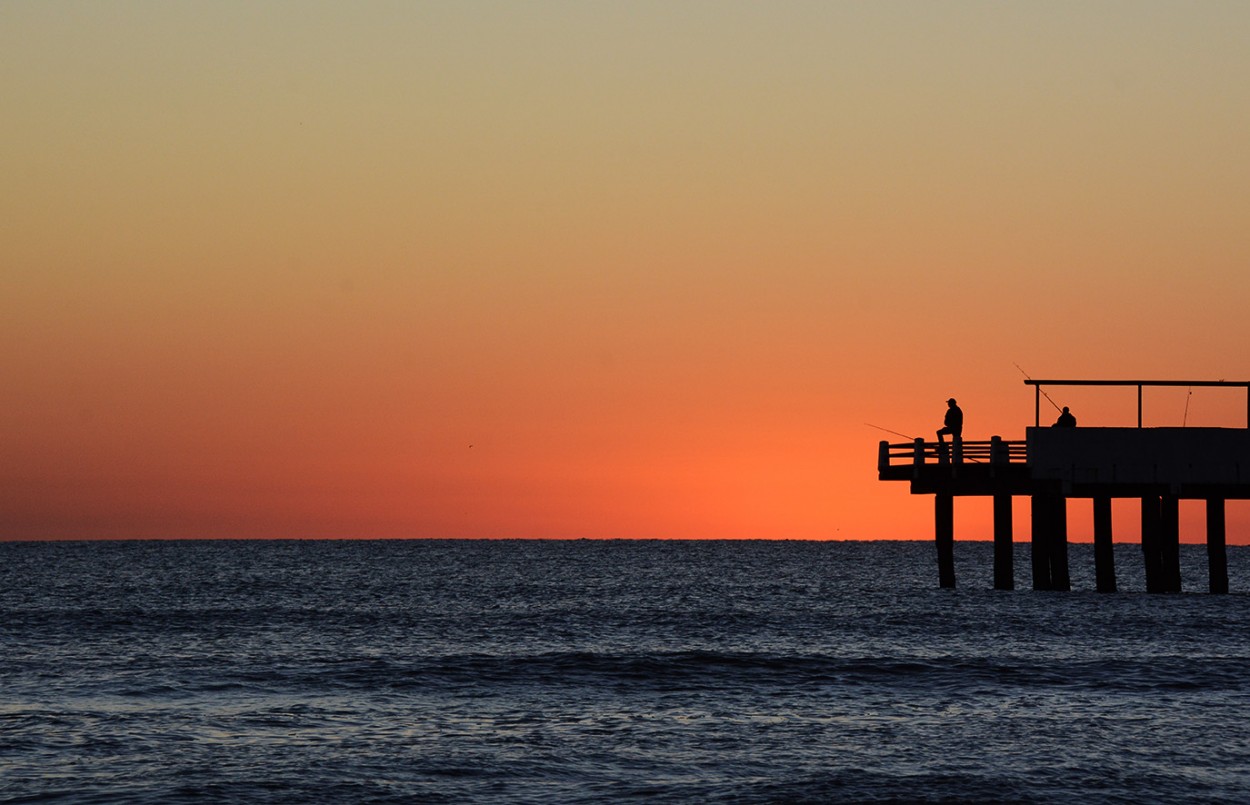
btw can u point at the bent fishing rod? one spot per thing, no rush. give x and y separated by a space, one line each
1039 388
887 430
912 438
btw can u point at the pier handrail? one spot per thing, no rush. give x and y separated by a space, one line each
920 453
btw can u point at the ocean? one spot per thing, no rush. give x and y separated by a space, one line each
619 671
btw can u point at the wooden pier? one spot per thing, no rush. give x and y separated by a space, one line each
1158 466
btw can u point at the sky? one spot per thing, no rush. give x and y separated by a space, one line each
590 269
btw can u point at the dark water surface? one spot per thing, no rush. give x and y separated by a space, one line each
434 671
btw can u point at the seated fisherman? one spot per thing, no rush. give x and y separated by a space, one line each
1065 420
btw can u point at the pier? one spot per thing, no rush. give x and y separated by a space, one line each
1051 465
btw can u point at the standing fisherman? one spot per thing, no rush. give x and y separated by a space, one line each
952 424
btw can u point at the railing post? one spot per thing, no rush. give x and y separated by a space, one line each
883 456
998 452
918 458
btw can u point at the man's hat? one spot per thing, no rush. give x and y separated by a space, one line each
952 399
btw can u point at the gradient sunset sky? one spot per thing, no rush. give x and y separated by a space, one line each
590 269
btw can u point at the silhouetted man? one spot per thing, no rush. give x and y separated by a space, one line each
1065 420
952 424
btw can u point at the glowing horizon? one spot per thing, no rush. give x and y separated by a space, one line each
548 269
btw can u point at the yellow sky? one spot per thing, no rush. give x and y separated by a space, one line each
269 269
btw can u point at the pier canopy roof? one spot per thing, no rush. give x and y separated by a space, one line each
1037 390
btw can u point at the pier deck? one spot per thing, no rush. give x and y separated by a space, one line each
1158 466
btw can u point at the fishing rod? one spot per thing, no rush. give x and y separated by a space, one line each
912 438
887 430
1039 388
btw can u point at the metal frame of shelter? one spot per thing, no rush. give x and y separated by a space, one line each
1037 390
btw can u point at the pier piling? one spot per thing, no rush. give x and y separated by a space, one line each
1004 549
1039 543
1104 551
1217 555
1151 539
1058 538
1050 542
944 531
1170 543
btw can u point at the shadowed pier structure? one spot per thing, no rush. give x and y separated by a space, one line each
1157 466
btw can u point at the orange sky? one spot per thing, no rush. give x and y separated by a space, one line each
540 269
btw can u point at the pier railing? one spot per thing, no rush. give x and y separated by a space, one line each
920 453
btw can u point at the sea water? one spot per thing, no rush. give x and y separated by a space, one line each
588 671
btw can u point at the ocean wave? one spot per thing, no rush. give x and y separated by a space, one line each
668 671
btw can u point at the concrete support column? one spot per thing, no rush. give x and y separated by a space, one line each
1059 579
944 532
1170 543
1104 552
1050 542
1217 555
1004 549
1151 526
1039 542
